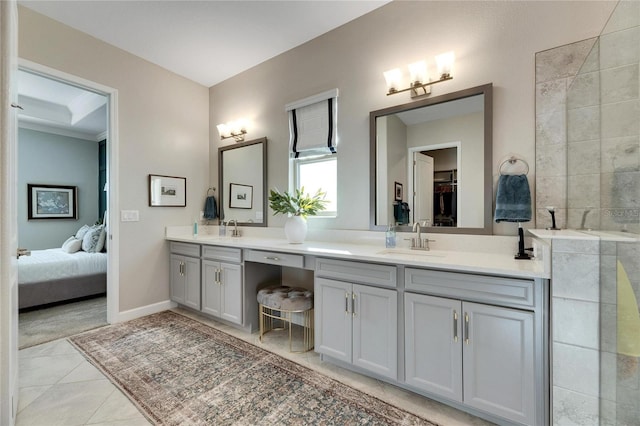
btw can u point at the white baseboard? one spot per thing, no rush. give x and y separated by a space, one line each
144 311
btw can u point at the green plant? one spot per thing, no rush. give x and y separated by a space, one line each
297 204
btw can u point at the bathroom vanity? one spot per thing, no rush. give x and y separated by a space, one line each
469 329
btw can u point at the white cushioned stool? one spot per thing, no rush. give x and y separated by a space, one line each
288 305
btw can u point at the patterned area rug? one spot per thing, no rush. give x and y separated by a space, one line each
181 372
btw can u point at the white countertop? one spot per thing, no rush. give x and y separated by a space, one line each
483 262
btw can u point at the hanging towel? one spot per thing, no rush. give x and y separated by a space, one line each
513 199
210 208
628 340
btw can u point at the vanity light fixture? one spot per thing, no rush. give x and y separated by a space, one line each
234 129
420 83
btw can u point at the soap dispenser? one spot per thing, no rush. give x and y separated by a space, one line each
390 240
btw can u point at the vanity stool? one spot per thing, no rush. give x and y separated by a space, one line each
289 305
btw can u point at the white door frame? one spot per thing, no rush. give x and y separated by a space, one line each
113 207
455 144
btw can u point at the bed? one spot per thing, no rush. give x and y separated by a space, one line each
53 275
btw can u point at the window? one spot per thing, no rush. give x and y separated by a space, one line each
313 146
318 173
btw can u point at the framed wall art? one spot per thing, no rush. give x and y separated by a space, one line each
52 202
398 191
240 196
167 191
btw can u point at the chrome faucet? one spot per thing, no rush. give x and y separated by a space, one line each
419 243
235 232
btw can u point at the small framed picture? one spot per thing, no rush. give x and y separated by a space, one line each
167 191
398 191
240 196
52 202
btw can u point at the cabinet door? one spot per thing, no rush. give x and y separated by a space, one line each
177 284
433 344
231 295
332 311
192 282
375 330
499 361
211 288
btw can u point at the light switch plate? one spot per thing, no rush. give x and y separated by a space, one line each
129 216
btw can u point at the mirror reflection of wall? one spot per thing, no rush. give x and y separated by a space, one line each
243 183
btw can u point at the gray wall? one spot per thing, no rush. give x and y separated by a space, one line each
45 158
494 42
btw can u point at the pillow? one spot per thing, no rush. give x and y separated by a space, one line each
93 240
71 238
82 231
72 245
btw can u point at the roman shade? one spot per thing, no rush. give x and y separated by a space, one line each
313 125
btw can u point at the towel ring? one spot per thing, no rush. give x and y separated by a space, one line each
209 191
511 161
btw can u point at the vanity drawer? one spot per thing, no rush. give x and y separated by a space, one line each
185 249
508 291
222 253
274 258
358 272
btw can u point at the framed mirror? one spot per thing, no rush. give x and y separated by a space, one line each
242 177
430 162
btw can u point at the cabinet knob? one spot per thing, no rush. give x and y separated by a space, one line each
455 326
466 328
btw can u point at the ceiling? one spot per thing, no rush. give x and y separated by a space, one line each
204 41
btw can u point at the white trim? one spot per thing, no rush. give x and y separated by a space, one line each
113 252
145 310
412 150
333 93
39 127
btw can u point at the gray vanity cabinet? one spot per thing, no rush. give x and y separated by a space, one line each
357 323
185 274
222 294
478 354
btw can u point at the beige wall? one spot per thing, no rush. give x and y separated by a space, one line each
163 129
494 42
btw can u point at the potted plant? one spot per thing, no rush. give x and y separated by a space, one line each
298 205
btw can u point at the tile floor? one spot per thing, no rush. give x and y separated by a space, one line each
59 387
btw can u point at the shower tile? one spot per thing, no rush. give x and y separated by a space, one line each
551 191
583 191
551 160
584 91
551 128
625 15
620 48
608 327
583 124
563 61
621 154
608 376
608 271
574 218
574 408
608 413
576 369
590 246
620 84
576 276
575 322
621 190
551 96
583 158
620 119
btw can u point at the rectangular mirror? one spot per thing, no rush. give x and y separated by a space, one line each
431 163
242 177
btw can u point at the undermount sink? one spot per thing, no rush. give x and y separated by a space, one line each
409 252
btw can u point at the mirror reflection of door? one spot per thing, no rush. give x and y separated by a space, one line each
423 188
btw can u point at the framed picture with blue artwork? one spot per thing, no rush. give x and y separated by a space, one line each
52 202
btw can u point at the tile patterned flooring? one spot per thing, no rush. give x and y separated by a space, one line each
59 387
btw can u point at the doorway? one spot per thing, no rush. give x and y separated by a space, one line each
90 119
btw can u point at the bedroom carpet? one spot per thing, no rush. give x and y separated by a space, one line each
44 325
180 371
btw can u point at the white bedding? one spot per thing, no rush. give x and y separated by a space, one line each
52 264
